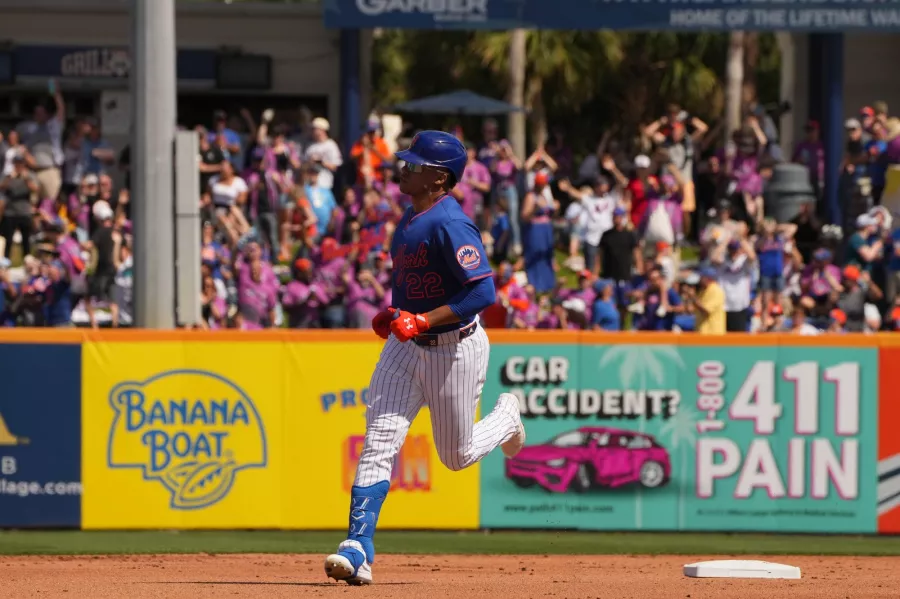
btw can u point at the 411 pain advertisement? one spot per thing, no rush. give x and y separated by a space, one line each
664 437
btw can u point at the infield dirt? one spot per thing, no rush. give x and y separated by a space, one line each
434 577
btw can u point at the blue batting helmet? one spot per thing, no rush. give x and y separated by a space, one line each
437 149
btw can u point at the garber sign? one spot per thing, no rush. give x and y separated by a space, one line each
680 15
442 11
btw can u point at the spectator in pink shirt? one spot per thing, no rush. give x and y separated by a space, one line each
585 292
303 298
365 297
530 316
69 255
820 282
263 199
253 254
330 274
557 318
256 299
476 182
382 274
214 310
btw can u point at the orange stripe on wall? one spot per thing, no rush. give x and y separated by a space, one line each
499 336
888 417
72 336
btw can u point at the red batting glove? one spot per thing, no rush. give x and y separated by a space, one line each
405 326
381 324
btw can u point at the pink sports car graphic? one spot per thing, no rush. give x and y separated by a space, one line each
591 457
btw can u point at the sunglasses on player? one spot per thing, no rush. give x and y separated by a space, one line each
415 168
418 168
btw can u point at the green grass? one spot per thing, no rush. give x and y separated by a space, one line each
121 542
567 273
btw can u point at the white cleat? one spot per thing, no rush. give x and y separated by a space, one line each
512 446
339 568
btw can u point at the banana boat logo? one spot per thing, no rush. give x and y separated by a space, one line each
190 430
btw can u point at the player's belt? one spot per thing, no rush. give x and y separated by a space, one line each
435 339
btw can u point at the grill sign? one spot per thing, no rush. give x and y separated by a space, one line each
96 62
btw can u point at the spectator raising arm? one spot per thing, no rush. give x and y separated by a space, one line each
541 155
262 132
60 116
609 165
761 138
248 119
700 129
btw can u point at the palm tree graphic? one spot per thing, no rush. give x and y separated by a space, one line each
641 364
680 430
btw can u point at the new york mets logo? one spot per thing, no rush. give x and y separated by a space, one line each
468 257
190 430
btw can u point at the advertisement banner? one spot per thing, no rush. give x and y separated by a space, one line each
330 411
40 436
247 435
684 15
889 442
185 435
666 437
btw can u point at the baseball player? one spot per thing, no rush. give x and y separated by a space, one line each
436 353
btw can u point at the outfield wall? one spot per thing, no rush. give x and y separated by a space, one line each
189 430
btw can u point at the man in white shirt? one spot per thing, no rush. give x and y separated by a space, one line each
594 218
722 229
324 152
736 262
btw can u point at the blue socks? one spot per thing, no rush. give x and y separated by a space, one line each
365 505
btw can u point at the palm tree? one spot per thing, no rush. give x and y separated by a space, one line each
681 431
734 82
659 68
516 94
569 61
641 364
586 82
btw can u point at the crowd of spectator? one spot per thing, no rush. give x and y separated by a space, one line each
668 231
684 197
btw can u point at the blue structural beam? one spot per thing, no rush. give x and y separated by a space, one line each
831 94
350 93
814 72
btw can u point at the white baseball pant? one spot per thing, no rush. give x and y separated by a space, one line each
448 378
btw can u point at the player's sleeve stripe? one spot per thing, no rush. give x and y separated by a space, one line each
479 277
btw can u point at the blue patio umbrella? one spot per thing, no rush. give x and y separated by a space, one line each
459 102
